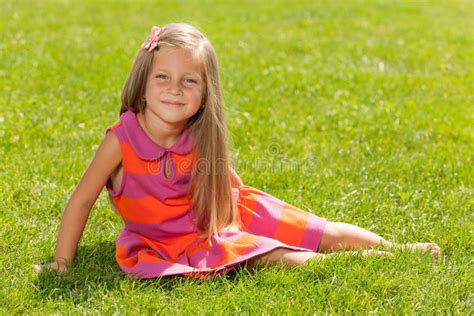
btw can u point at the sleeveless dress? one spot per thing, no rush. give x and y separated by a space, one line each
160 238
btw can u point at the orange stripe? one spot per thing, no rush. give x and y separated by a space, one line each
122 257
235 250
246 215
150 210
148 255
173 247
291 226
133 164
247 204
184 163
178 201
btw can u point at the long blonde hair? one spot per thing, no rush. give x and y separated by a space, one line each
211 189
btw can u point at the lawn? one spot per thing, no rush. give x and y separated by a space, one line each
357 111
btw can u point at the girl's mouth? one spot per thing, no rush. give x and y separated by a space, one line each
173 103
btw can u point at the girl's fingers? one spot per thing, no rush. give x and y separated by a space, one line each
53 266
37 268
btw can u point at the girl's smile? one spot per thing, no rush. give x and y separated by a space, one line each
173 103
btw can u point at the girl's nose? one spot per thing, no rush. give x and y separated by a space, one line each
174 88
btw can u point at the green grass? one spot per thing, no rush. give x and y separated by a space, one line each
358 111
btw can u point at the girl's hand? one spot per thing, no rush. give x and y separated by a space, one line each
58 265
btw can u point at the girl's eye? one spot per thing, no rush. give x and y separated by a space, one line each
186 80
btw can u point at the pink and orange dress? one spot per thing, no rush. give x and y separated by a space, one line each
160 237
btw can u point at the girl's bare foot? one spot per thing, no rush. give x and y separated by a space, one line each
423 247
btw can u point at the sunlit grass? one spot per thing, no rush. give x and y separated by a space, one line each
358 111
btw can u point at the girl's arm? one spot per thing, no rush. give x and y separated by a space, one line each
236 181
76 213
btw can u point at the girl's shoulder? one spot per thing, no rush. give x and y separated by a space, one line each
111 144
119 129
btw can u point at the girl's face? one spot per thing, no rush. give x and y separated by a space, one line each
174 86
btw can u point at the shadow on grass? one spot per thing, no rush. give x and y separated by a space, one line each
96 272
95 269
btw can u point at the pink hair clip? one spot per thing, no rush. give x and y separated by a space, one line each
152 41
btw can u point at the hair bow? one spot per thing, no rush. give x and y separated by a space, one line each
152 41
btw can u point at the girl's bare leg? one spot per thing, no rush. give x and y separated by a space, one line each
343 236
288 257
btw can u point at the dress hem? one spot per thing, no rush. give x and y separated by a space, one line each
212 271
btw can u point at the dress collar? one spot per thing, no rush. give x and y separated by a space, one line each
145 147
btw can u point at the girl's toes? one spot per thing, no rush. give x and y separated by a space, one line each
428 247
436 250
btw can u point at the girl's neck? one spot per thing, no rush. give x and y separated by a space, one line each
161 133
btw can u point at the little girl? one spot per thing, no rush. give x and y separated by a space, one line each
166 167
